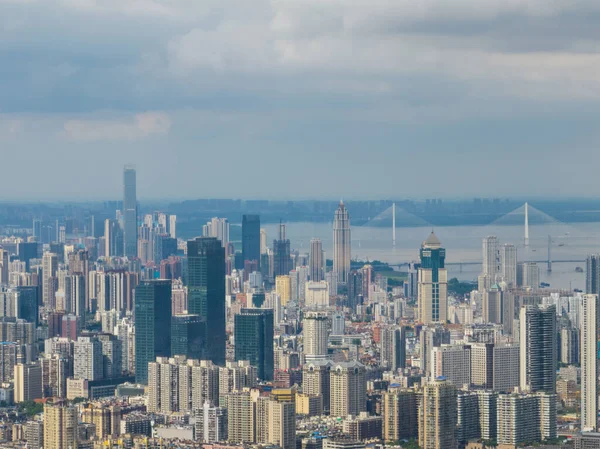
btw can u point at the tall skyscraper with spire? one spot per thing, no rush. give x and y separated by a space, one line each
341 244
282 262
129 212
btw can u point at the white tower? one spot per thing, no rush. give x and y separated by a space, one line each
589 364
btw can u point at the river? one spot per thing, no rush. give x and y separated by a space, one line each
571 242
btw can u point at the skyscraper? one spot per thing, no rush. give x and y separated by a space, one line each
187 336
348 386
341 244
433 282
508 264
438 416
315 335
219 228
129 212
528 275
254 340
282 262
538 348
49 269
316 261
393 347
88 360
592 274
28 382
152 323
589 363
491 257
113 238
27 303
251 238
206 292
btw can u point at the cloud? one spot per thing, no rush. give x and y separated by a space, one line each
141 126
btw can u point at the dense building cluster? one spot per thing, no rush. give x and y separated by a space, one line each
124 335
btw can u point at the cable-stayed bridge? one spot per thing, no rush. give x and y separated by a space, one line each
525 215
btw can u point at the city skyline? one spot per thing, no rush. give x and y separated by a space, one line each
299 224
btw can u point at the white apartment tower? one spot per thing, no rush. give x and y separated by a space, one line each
315 332
348 388
589 363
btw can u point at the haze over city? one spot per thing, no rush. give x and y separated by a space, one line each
299 99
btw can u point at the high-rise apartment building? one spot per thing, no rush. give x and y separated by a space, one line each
508 264
589 362
316 294
28 382
253 329
400 415
492 306
34 434
55 370
240 417
60 426
491 257
430 338
482 365
393 347
211 424
467 417
177 384
263 241
152 324
235 376
437 416
526 418
348 389
316 380
219 228
433 282
452 362
506 368
113 238
251 238
49 270
592 274
538 348
283 287
130 232
316 261
528 275
315 335
206 292
88 360
342 244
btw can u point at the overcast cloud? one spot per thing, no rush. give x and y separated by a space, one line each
299 98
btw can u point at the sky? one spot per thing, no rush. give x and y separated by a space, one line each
299 98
